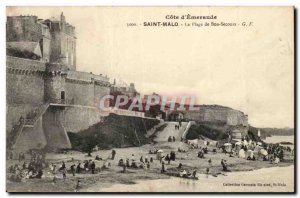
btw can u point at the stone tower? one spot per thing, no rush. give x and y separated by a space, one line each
63 42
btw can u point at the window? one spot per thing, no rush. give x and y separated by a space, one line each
62 95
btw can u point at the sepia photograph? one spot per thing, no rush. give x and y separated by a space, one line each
154 99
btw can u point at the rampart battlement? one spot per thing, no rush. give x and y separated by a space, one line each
84 76
25 64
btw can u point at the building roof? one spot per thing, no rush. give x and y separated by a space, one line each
24 48
53 19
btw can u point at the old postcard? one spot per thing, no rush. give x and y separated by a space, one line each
150 99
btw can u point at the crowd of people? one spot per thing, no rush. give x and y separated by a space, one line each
171 139
202 152
34 169
142 164
252 150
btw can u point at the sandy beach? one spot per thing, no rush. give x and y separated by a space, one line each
112 179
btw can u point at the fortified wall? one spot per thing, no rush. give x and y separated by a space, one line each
52 100
46 96
24 88
212 113
216 116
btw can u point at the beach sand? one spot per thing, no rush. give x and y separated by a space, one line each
151 180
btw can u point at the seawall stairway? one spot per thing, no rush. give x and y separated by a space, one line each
190 123
28 122
169 130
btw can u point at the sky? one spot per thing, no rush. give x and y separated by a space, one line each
246 68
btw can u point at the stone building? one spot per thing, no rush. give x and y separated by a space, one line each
129 91
55 37
46 96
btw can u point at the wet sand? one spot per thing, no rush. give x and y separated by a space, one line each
275 179
277 139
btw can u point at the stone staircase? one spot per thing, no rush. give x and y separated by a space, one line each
15 133
190 123
152 130
29 121
169 130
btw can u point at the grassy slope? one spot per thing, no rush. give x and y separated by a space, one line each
114 131
212 131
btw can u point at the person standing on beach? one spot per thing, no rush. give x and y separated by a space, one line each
124 168
63 166
113 154
163 169
132 157
73 169
207 172
64 173
161 158
141 159
78 186
194 173
93 166
78 168
223 165
53 169
151 159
